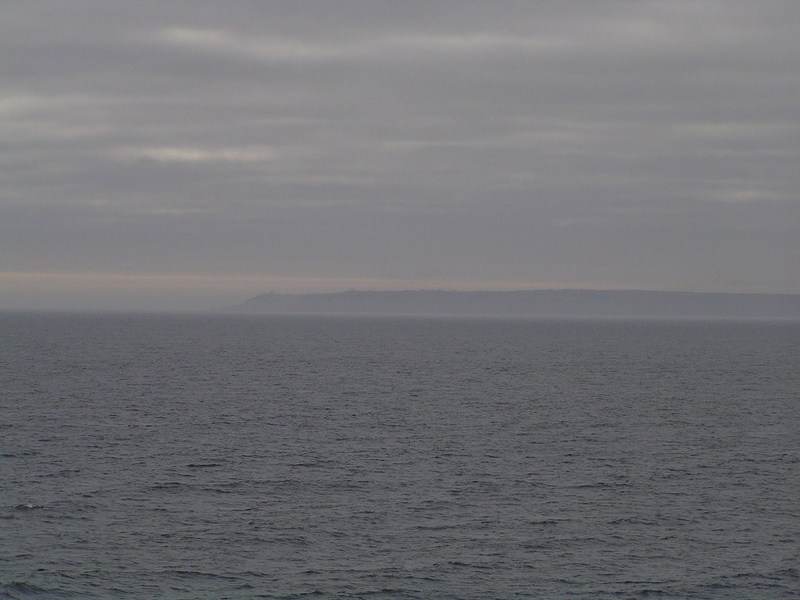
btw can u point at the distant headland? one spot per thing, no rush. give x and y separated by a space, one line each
533 303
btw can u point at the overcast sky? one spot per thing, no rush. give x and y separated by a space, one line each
190 154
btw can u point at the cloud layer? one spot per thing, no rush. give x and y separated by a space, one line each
449 144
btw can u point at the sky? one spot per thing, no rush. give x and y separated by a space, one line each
188 155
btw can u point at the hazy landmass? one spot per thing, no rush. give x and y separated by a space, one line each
556 303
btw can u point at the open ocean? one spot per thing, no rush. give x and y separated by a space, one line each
291 457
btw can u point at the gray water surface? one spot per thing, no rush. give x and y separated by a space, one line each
263 457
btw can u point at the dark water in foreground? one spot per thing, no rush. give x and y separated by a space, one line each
238 457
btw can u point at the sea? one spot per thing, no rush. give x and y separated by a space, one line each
234 456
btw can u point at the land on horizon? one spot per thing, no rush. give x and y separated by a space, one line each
563 303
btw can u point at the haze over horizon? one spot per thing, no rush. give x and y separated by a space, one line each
189 155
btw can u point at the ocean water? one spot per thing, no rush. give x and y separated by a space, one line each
265 457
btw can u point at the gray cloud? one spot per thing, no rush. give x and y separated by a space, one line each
447 144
